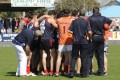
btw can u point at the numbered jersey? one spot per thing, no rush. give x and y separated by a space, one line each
30 25
46 29
42 26
63 25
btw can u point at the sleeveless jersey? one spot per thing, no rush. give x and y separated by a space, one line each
63 25
46 29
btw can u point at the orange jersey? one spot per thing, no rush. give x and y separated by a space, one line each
106 35
65 38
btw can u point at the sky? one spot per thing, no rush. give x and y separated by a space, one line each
111 11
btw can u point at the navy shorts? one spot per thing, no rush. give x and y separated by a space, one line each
46 44
55 43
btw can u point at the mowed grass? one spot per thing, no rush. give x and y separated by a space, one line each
8 65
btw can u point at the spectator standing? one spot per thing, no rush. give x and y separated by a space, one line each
6 23
1 24
13 24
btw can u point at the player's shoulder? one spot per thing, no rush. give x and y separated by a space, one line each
70 19
59 19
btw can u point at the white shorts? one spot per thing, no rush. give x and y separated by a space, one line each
63 48
105 48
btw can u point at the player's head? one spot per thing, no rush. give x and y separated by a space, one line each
66 12
60 14
40 14
52 13
29 15
96 10
82 12
74 13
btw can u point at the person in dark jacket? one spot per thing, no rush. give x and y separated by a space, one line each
22 43
80 28
97 22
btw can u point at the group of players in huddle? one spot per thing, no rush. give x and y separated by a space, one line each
51 51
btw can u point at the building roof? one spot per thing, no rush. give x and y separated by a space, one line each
104 3
113 3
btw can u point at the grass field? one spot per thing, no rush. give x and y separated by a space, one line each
8 65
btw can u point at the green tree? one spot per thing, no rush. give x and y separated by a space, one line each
77 4
40 10
10 14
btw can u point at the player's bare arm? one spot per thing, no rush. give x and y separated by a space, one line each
53 22
90 34
42 18
21 26
27 50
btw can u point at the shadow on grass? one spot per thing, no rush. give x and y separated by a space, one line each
10 74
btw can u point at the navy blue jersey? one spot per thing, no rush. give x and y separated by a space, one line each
47 30
80 27
30 25
97 23
26 36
